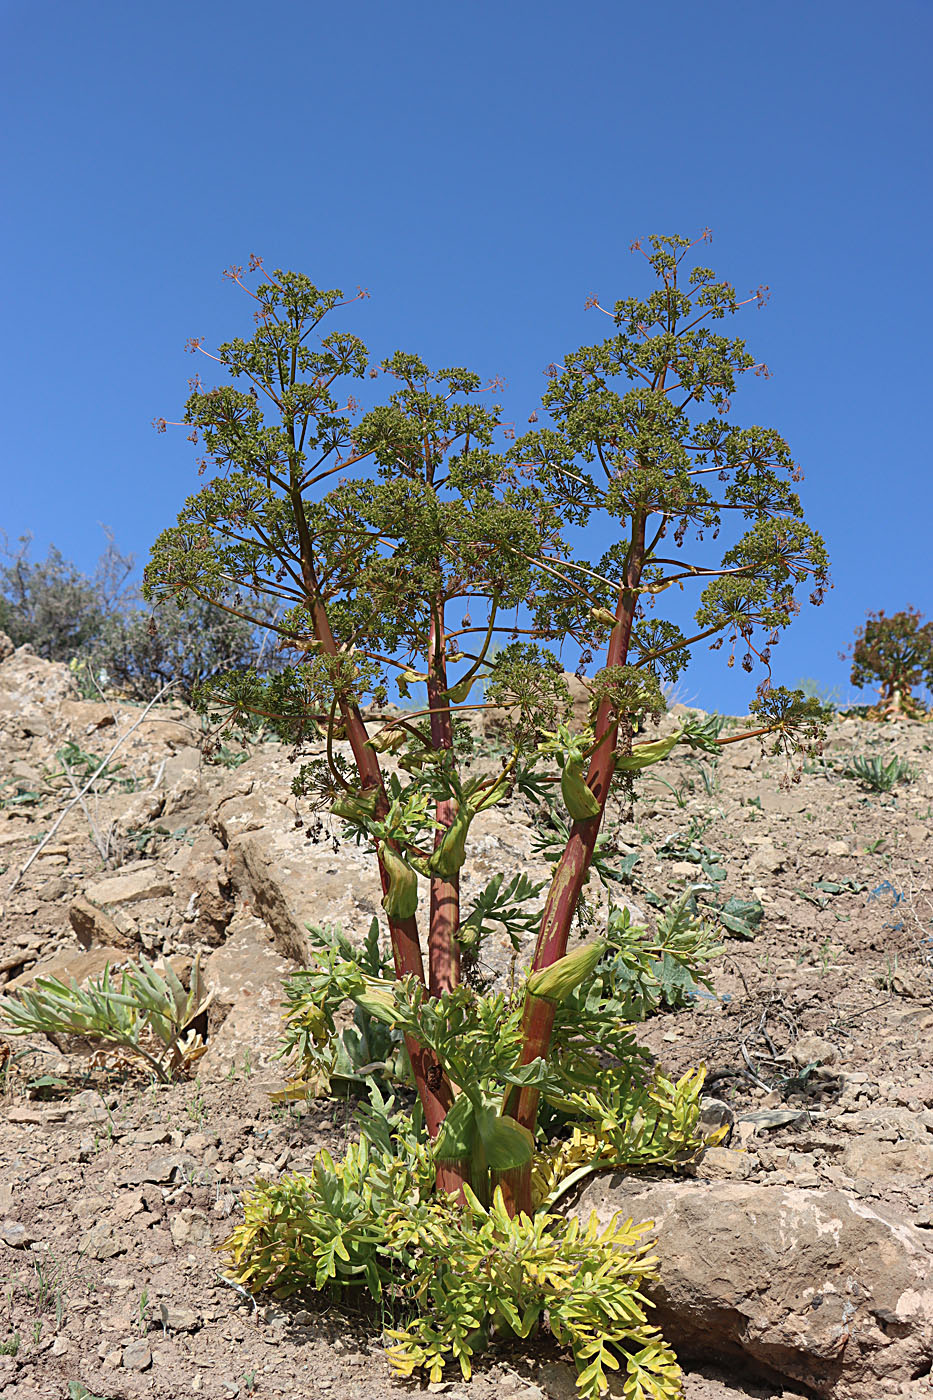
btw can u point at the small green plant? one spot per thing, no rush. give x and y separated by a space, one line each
77 1390
228 757
148 1014
249 1381
82 765
877 775
10 1345
142 1311
196 1108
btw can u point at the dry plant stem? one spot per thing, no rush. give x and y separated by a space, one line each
87 786
443 949
103 848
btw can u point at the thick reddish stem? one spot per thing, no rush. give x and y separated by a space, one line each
432 1083
443 949
570 875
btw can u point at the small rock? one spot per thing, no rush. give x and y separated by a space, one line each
129 888
100 1242
56 888
716 1114
837 848
813 1049
137 1356
724 1164
178 1319
190 1229
16 1234
91 925
907 1163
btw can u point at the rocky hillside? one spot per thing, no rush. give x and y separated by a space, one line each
816 1043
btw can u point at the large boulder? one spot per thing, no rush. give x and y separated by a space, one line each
813 1286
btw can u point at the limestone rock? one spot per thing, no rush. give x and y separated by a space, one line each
31 690
203 889
814 1286
81 967
93 927
145 881
246 976
907 1163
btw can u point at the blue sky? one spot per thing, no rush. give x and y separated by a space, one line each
482 169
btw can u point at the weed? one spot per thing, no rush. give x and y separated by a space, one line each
226 757
10 1345
708 774
196 1108
85 765
77 1390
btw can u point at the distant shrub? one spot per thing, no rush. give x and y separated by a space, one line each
53 607
895 654
64 615
142 650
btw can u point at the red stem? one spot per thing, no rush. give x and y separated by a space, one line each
432 1083
570 877
443 949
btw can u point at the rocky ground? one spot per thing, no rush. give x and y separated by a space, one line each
114 1191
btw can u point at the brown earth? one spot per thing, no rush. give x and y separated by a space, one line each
113 1191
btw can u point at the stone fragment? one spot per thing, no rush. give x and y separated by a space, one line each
725 1164
147 882
72 966
93 926
175 1318
716 1114
247 976
55 888
906 1163
813 1049
155 1169
137 1355
190 1229
826 1290
204 891
17 1235
101 1242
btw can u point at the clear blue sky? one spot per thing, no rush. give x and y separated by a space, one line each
482 168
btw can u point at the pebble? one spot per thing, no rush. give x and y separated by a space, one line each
137 1356
16 1234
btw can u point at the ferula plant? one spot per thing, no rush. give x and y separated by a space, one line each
418 541
894 653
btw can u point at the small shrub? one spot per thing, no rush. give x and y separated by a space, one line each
51 605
